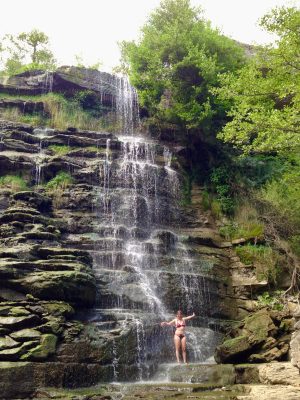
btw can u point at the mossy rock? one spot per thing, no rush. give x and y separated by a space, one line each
45 349
259 326
18 311
59 309
53 325
232 349
16 353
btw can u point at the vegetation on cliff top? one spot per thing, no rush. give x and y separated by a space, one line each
26 51
176 64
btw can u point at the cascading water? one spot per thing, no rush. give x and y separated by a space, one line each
41 134
144 270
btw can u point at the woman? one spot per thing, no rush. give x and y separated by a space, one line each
179 336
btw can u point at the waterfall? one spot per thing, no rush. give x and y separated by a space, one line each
48 82
41 134
144 270
126 105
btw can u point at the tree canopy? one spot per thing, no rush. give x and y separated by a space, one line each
266 93
176 63
28 50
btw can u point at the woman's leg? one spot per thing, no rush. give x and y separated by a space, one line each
183 348
177 347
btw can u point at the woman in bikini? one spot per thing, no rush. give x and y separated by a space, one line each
179 336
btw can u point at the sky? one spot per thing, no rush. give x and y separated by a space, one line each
93 28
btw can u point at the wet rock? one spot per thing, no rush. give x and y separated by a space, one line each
219 375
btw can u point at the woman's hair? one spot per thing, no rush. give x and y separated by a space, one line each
179 312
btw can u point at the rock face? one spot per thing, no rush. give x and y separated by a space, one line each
261 337
50 239
67 80
30 265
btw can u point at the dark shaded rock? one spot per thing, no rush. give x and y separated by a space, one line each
41 202
16 126
24 106
12 372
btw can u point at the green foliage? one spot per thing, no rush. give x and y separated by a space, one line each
252 172
60 149
61 113
264 258
176 63
245 223
220 178
89 100
295 244
206 200
266 92
233 231
283 194
26 51
273 301
13 182
60 181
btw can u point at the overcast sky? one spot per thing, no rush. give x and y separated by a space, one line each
92 28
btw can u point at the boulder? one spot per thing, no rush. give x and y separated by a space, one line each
255 339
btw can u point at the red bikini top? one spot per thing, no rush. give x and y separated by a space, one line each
179 324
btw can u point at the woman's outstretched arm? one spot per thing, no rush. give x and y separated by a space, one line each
168 323
189 317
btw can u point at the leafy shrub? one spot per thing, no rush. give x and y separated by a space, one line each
88 100
283 195
13 182
244 224
220 178
295 244
216 208
60 181
274 302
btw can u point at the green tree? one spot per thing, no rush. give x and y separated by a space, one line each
176 63
28 50
265 94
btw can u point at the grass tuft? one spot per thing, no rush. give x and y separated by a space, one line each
13 182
